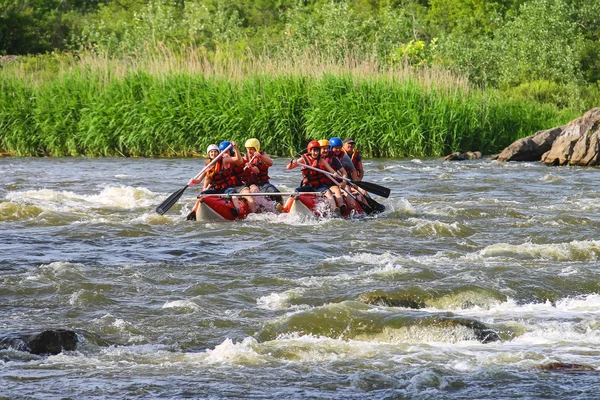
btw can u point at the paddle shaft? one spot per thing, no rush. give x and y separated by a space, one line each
368 186
210 164
259 194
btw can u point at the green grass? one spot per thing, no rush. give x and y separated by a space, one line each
176 106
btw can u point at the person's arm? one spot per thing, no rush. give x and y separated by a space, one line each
360 172
196 181
266 159
237 158
294 164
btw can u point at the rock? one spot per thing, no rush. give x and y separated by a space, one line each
579 143
566 367
532 147
53 342
482 332
458 156
388 301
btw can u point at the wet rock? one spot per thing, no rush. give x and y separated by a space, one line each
458 156
52 341
578 144
567 367
482 332
532 147
396 301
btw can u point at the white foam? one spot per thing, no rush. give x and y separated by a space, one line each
575 250
235 353
186 305
280 301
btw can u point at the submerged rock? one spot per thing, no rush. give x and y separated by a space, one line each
51 341
567 367
458 156
397 301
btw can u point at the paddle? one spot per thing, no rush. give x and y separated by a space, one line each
259 194
368 186
364 206
172 199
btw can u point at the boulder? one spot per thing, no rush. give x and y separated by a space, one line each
458 156
567 367
531 148
50 341
53 342
578 144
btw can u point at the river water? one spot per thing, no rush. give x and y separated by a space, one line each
277 307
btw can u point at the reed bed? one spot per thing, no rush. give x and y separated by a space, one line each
176 103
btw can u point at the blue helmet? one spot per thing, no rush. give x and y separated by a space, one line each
224 145
335 141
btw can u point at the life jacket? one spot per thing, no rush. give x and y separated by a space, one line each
353 157
226 176
263 171
311 177
330 158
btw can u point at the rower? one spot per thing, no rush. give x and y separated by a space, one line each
226 175
349 148
314 181
256 176
337 166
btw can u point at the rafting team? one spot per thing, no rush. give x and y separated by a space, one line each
231 172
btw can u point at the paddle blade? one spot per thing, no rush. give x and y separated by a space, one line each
375 206
374 188
170 201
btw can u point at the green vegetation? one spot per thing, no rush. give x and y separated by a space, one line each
404 77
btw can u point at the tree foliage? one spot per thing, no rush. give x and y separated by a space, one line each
506 44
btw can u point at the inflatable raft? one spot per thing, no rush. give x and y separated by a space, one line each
220 207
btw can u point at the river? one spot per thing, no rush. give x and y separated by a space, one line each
277 307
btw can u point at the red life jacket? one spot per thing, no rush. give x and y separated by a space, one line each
263 171
311 177
353 157
225 177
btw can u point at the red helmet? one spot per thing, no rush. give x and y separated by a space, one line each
312 145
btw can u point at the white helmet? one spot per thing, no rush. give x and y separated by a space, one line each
212 147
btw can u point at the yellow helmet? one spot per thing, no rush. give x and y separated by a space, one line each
324 143
253 143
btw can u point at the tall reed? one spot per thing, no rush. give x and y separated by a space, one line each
170 103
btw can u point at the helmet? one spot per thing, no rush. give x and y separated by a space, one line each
312 145
252 143
335 141
212 147
224 145
323 143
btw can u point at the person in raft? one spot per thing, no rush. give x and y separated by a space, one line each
225 176
256 174
336 189
349 148
314 181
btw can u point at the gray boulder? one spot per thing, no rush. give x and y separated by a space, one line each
578 144
531 148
